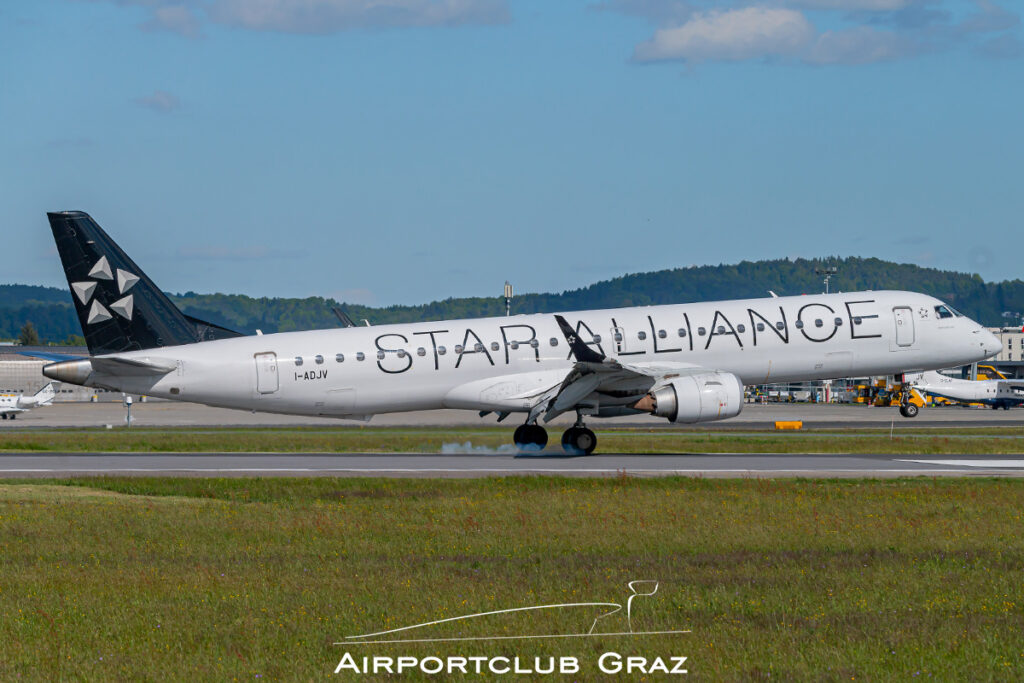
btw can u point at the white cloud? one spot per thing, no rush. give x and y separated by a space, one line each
176 19
859 5
160 100
329 16
860 31
732 35
186 17
860 45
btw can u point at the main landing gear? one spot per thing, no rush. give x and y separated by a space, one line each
530 437
575 440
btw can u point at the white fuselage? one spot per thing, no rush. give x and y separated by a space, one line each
389 368
995 392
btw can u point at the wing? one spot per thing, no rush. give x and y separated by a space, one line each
598 381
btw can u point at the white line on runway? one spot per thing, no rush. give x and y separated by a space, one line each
259 470
1016 464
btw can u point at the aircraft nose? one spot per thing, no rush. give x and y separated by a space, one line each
990 344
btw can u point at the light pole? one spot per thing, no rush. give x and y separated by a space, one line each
828 273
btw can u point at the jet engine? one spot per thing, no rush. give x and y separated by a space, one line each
700 397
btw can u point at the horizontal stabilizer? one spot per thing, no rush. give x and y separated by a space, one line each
132 367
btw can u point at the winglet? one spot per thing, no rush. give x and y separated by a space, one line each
582 352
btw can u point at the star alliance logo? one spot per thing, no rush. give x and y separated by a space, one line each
85 290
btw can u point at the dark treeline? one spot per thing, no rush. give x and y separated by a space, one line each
49 309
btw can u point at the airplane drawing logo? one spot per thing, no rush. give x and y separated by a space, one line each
637 589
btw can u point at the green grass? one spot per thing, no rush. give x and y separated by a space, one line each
205 579
433 439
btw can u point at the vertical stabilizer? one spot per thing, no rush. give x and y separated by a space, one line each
118 306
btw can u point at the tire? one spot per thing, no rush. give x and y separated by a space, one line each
579 440
530 437
909 410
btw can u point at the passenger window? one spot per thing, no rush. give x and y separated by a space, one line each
534 344
701 331
401 353
298 360
618 337
495 346
319 359
780 326
857 321
458 349
421 351
554 342
799 324
641 335
818 322
479 348
441 350
597 339
380 355
662 334
760 327
720 330
839 322
682 332
514 345
340 358
360 356
741 328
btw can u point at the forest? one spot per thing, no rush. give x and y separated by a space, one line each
49 309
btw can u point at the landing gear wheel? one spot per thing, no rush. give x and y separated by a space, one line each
579 440
909 410
530 437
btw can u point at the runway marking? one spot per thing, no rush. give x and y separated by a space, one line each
1015 464
259 470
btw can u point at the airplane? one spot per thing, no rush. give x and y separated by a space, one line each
997 393
686 363
12 404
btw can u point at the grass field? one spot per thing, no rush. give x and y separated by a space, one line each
990 440
245 579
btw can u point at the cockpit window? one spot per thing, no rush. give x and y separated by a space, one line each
942 311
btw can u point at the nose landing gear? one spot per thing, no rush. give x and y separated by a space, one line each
907 408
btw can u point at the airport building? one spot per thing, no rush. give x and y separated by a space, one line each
1013 343
21 374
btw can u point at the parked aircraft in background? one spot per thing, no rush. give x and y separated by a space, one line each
686 363
998 393
12 404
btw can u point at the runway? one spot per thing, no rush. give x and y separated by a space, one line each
18 465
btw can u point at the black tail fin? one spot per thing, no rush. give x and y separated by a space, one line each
119 307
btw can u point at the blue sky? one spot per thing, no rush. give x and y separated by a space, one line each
412 150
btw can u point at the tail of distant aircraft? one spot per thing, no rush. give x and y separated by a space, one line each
118 306
45 395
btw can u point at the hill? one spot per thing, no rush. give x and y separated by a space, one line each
996 303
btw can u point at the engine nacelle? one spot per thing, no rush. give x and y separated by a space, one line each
702 397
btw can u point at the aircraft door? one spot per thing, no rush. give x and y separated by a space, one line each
904 326
619 339
266 373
